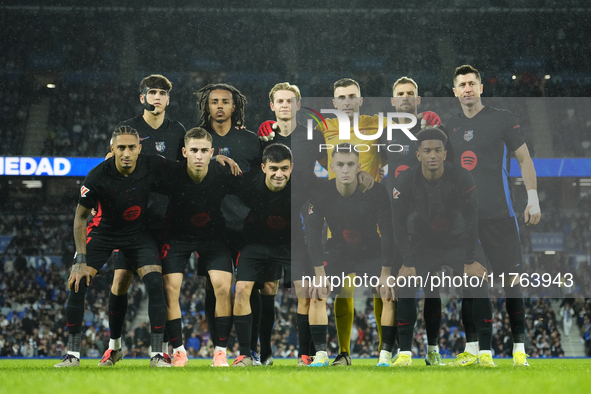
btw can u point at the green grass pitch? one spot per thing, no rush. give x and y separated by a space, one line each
566 376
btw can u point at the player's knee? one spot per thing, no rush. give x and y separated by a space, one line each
121 282
318 307
243 291
153 282
172 293
223 291
76 299
304 303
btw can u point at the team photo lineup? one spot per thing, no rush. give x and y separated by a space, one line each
401 206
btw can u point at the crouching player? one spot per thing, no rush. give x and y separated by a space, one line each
196 188
119 188
267 232
445 233
354 219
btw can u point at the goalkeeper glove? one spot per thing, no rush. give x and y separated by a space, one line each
267 130
429 119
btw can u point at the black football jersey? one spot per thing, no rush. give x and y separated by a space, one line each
483 145
446 212
168 140
407 157
269 219
194 211
242 146
353 222
121 202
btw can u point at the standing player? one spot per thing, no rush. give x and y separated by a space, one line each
159 136
196 189
267 249
347 98
119 187
222 115
406 99
285 103
483 139
445 233
355 246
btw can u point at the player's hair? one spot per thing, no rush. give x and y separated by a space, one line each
285 86
124 130
344 82
405 80
431 134
466 69
276 153
345 147
198 133
155 81
203 103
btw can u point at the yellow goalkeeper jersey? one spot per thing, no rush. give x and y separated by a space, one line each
371 161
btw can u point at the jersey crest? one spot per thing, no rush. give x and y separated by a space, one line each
224 151
395 194
160 146
468 135
83 191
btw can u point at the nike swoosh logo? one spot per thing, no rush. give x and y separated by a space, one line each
403 324
338 317
223 339
158 327
172 340
71 325
487 321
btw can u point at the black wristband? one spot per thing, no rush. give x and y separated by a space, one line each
80 259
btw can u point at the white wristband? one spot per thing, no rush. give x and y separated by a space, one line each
533 201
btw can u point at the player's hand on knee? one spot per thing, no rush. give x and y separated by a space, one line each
387 293
225 160
428 119
267 130
79 271
386 288
365 180
320 292
476 269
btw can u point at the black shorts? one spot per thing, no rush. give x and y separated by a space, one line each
263 263
430 259
237 237
213 255
138 250
501 244
337 263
